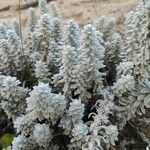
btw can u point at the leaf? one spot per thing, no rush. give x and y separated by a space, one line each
147 100
142 108
139 112
6 140
78 91
73 86
133 110
135 93
144 90
140 97
123 102
136 103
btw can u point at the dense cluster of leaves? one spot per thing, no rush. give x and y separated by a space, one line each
71 87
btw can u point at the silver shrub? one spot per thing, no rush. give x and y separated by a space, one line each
135 64
11 90
72 34
89 68
24 125
6 64
16 52
41 71
16 26
54 10
79 134
3 29
42 135
72 116
43 6
32 20
102 135
21 143
80 61
42 104
11 109
58 103
43 33
38 104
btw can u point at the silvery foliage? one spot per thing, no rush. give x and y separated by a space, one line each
11 109
12 94
91 47
54 57
124 88
138 101
24 125
3 29
72 116
114 46
82 58
32 24
21 143
69 58
79 134
42 134
125 68
15 49
33 41
137 55
102 134
43 6
142 66
11 91
132 28
44 34
110 135
2 77
38 104
105 26
103 110
41 71
123 85
56 42
42 104
72 34
5 59
36 56
147 148
32 20
57 33
59 105
49 37
69 72
92 39
107 93
16 26
54 10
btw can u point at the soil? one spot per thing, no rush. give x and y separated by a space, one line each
80 10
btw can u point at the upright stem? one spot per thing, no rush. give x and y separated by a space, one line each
20 22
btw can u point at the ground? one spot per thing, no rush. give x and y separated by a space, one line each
80 10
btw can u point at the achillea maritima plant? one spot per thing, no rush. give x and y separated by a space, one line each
75 88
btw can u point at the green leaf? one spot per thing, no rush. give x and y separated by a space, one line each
6 140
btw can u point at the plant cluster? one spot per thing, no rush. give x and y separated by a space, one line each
72 87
